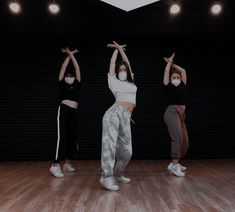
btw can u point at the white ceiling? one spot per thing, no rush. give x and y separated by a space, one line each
129 5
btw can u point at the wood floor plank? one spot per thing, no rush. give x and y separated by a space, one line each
209 186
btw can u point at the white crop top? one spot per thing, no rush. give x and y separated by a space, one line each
123 91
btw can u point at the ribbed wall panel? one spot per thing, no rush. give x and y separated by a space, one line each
29 99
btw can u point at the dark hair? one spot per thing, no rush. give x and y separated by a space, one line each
69 72
117 67
174 71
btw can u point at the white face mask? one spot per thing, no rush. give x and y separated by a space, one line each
122 75
175 82
69 80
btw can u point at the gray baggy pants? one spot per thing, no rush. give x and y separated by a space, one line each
174 118
116 141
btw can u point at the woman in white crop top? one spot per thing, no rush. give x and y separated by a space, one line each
116 135
121 79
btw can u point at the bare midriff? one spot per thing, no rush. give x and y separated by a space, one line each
128 106
182 106
70 103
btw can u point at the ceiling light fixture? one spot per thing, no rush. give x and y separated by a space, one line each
175 8
216 8
14 7
54 8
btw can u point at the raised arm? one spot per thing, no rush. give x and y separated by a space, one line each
113 62
167 69
75 64
123 55
63 68
74 61
180 69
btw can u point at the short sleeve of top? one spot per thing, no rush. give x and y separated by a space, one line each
69 92
176 95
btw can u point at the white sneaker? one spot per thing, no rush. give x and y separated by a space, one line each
109 183
68 167
123 179
175 169
183 168
56 171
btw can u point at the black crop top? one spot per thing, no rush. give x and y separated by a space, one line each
69 92
176 94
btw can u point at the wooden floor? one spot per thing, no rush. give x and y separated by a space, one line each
208 186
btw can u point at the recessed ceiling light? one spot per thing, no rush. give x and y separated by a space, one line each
14 7
216 9
54 8
174 9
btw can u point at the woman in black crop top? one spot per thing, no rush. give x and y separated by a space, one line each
175 89
69 86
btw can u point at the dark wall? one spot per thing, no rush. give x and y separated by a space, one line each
29 97
30 60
